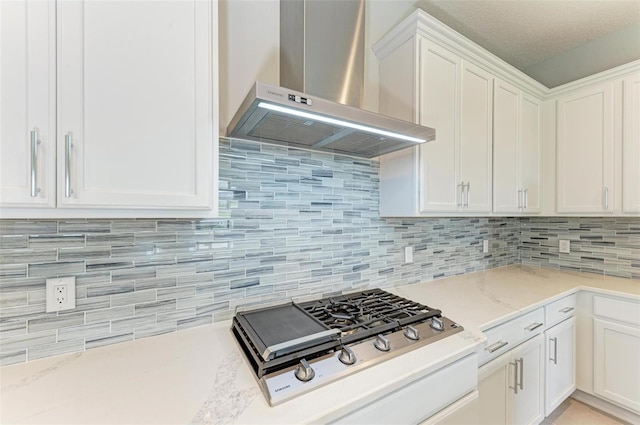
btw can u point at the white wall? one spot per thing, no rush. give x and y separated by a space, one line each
381 17
249 47
249 36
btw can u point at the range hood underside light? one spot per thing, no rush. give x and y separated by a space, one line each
268 115
339 123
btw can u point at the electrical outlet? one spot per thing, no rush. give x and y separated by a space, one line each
485 246
408 254
61 294
565 246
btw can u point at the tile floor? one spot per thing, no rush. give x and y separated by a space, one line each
573 412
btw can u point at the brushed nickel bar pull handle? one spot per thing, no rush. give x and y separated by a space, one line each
521 373
532 327
461 192
555 350
606 198
468 185
515 377
495 347
34 163
567 309
67 165
526 199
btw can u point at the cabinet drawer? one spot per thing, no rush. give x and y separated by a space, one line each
503 338
559 310
616 309
418 400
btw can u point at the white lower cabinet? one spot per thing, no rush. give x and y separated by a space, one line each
608 349
511 386
463 411
616 342
419 400
616 366
560 367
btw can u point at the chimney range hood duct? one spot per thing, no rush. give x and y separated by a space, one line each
321 58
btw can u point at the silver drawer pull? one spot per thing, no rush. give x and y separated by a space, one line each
68 144
515 377
533 326
466 204
555 350
495 347
567 309
34 163
521 373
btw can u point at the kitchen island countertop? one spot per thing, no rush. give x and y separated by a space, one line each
199 376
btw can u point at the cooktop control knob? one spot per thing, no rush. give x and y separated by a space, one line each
412 333
347 356
437 324
382 343
304 372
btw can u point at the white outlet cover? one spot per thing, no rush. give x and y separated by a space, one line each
408 254
565 246
485 246
70 285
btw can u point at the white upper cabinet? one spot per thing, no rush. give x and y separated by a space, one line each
585 150
506 112
476 131
27 103
432 75
516 150
453 173
136 107
530 153
631 145
439 91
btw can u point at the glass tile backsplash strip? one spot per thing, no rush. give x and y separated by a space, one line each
293 224
604 245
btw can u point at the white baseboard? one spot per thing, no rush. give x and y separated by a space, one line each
607 407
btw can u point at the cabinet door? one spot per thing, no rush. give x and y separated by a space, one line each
527 401
507 193
631 145
135 92
560 371
493 387
439 102
616 370
476 127
585 151
529 153
27 103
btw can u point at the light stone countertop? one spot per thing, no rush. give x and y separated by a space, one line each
199 376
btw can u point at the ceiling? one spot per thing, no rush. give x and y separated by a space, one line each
553 41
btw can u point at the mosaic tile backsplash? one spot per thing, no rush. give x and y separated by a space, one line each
293 224
603 245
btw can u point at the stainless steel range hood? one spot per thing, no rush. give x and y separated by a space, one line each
318 105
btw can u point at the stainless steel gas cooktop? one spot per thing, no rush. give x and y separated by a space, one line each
296 347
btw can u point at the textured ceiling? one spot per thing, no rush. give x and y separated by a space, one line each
527 33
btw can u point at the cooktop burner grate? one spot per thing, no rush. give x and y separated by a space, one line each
367 313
